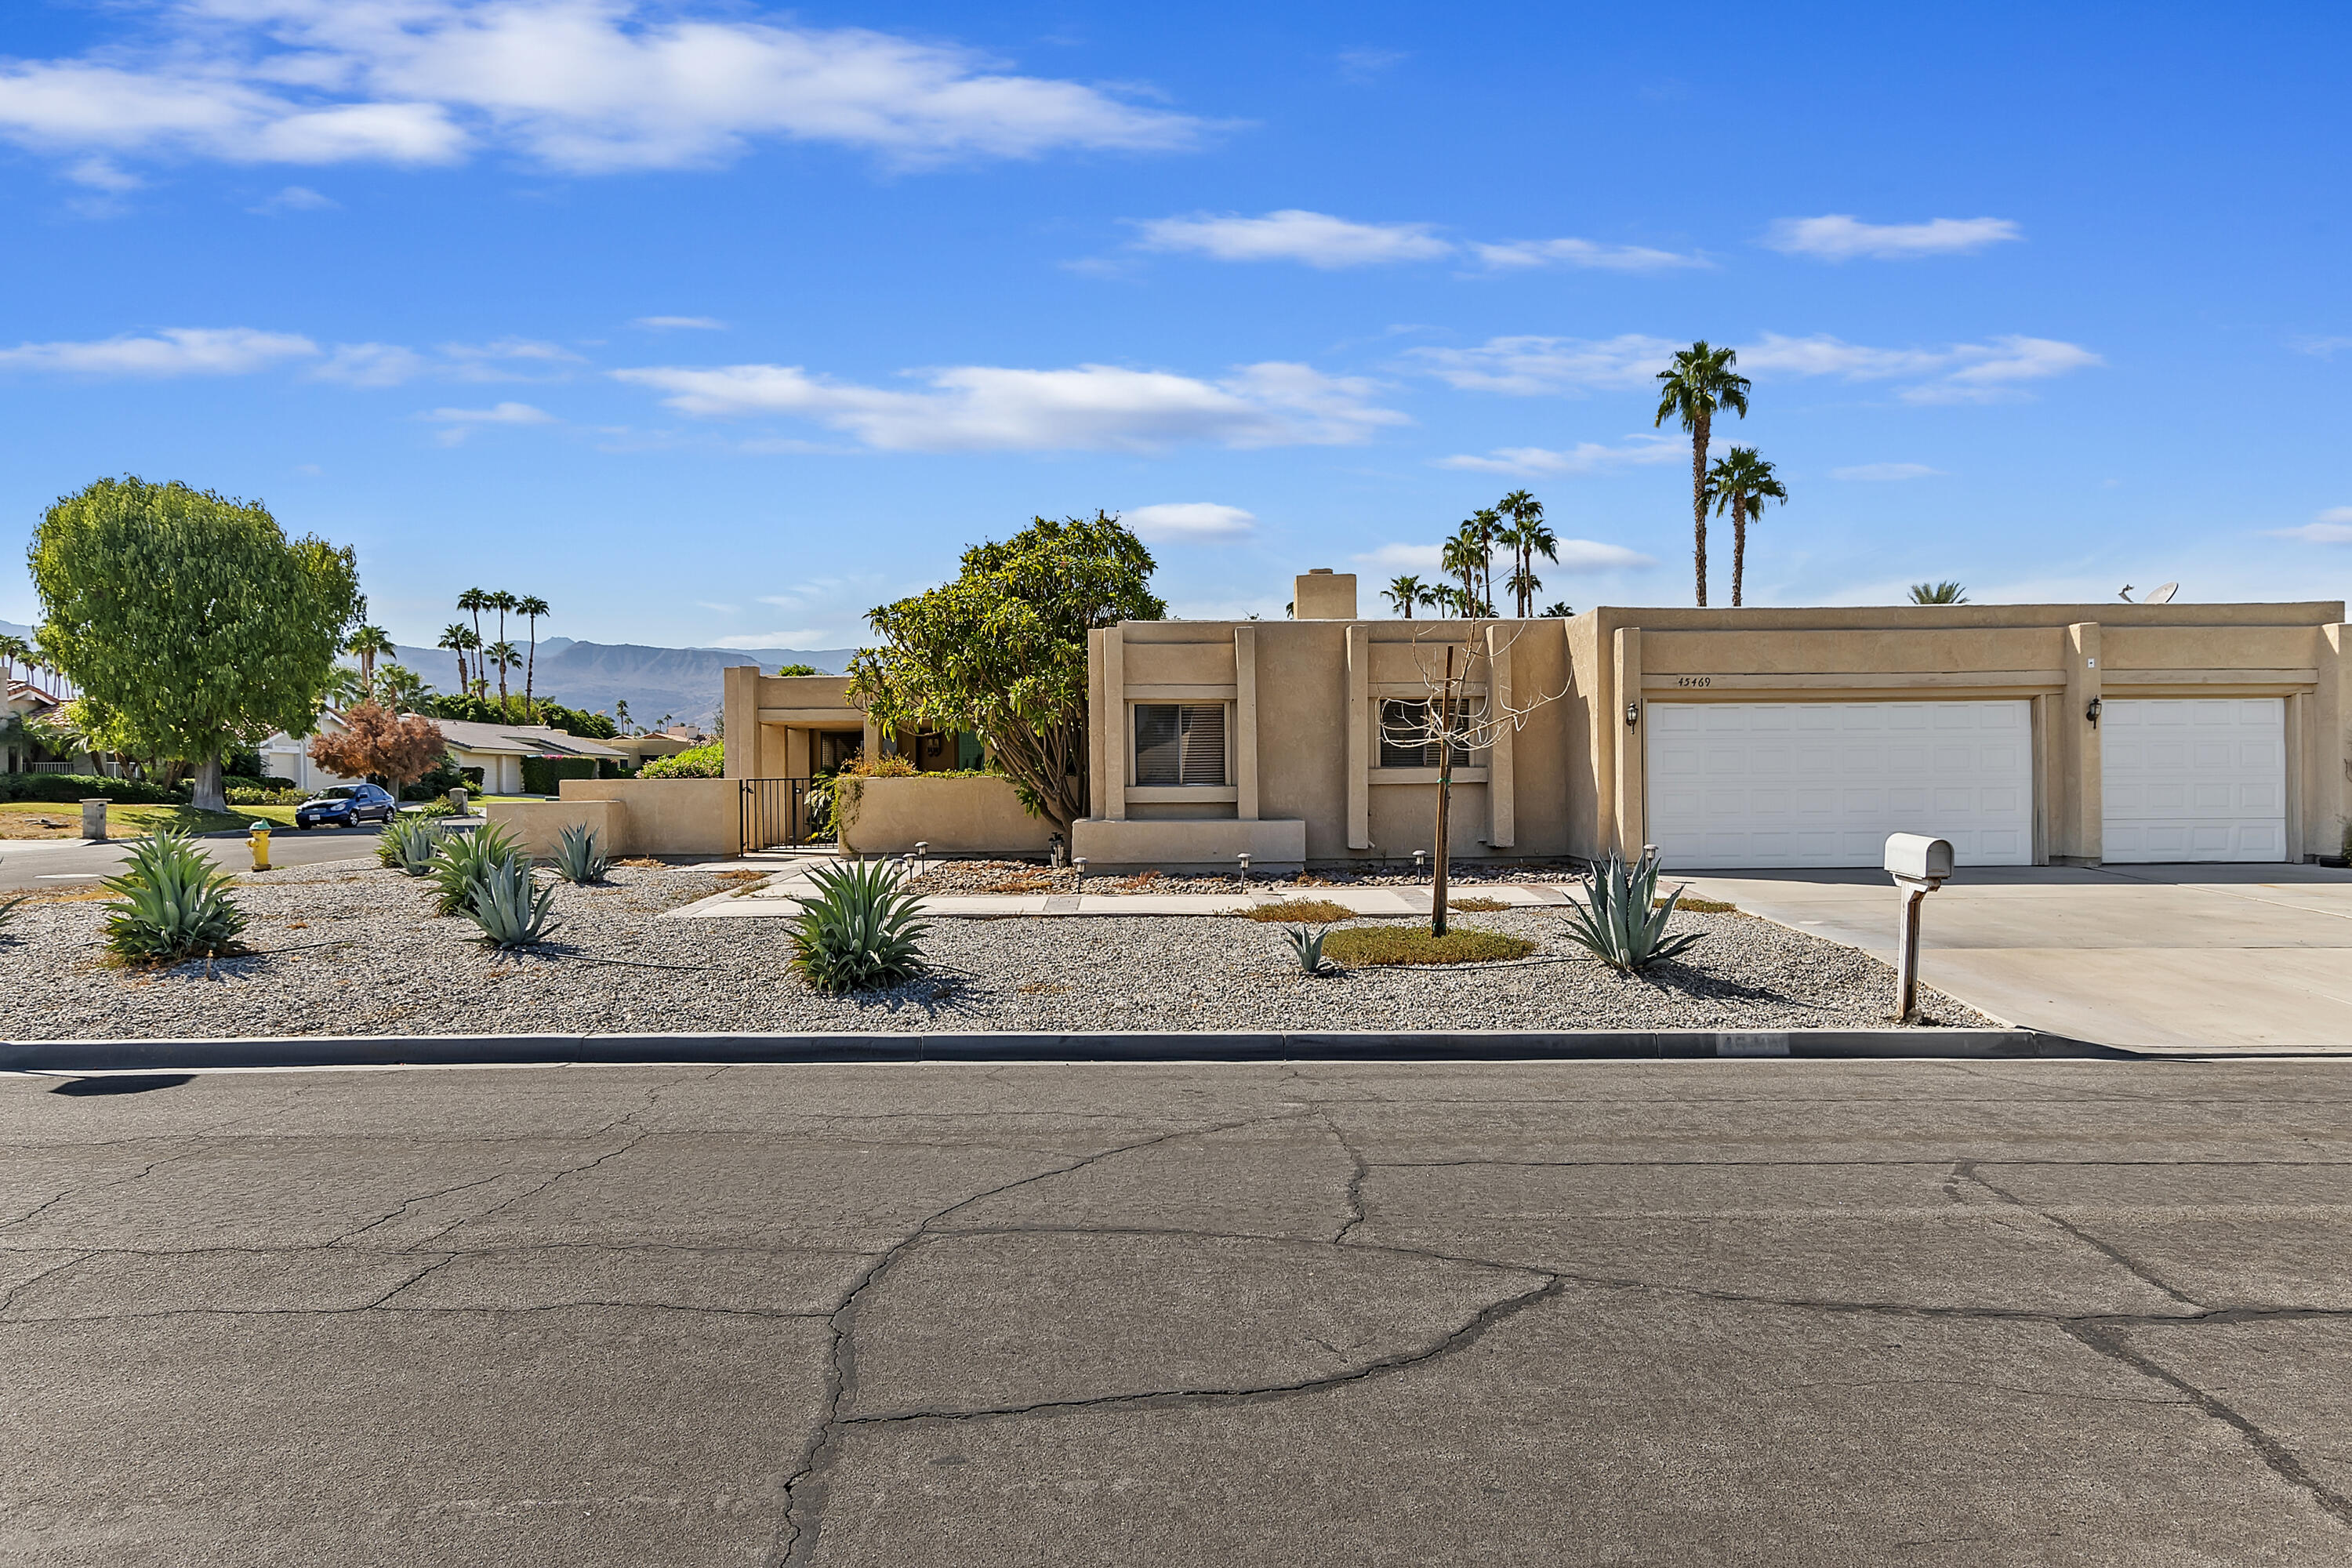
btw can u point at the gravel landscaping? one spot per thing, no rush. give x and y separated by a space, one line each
1037 877
349 948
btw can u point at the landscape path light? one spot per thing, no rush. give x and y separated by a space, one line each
1919 865
1245 860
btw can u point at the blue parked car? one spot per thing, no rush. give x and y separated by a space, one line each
346 805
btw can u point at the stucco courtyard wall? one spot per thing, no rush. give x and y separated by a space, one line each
537 824
953 815
670 816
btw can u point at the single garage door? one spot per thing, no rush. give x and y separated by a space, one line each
1823 784
2194 779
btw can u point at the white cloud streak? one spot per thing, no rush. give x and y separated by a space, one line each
170 352
2334 527
1190 523
1317 240
1520 253
1575 555
1957 373
1842 236
1876 472
680 323
1089 407
1584 458
1530 365
586 86
502 414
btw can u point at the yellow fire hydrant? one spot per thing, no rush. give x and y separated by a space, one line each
258 836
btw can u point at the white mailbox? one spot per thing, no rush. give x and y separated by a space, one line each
1916 857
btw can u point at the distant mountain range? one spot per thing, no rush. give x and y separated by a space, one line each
682 682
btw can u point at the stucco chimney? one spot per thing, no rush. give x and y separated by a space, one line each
1323 595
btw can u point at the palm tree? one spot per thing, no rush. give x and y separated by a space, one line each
401 688
1527 537
1700 384
621 715
1939 594
366 643
1402 594
458 640
503 656
474 601
1744 482
531 606
16 650
1557 610
1469 555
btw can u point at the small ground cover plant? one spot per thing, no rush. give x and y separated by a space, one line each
173 904
1623 921
1477 906
1316 912
1308 944
1361 946
860 931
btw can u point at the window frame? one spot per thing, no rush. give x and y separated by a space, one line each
1134 719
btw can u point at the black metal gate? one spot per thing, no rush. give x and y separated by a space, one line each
775 812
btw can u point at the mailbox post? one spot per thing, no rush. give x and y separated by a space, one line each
1918 865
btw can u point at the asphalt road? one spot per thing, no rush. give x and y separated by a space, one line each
26 864
1677 1313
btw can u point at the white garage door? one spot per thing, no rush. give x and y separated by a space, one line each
1823 784
2194 779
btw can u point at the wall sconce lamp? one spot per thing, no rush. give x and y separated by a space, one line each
1633 713
2092 712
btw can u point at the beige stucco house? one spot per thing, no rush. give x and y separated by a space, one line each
498 749
2027 734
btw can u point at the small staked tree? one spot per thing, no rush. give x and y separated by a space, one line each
1700 384
1454 658
376 744
189 621
1002 651
1742 482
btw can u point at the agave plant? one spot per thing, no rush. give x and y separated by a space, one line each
579 856
512 910
1622 922
408 844
465 861
1307 944
174 903
859 929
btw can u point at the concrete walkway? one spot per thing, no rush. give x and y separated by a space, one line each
777 898
2235 957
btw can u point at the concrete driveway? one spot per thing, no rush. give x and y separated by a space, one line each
1937 1314
2230 957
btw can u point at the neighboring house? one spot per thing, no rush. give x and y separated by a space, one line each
21 700
498 749
643 749
2027 734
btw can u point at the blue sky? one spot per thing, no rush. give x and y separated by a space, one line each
715 322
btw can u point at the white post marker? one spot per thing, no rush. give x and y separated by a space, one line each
1919 866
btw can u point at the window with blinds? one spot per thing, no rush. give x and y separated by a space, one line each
1405 738
1180 744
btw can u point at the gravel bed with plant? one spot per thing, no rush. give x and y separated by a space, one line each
350 948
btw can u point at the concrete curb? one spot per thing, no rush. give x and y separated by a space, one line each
503 1050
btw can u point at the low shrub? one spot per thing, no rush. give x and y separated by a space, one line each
860 932
1623 921
1361 946
174 904
1698 906
579 856
64 789
252 795
890 767
696 763
1477 906
1317 912
512 910
545 775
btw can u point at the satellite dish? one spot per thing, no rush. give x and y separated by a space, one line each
2162 595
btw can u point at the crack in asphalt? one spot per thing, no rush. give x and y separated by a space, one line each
1356 1213
1966 1170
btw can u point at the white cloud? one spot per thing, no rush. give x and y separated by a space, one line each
804 637
1575 555
680 323
1089 408
172 351
102 175
2326 348
1366 64
1587 253
1584 458
1179 522
371 364
1840 237
1317 239
502 414
294 199
1957 373
581 85
1528 365
1874 471
2334 527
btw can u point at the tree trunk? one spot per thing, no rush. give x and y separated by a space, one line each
530 674
1739 546
208 795
1698 502
1445 796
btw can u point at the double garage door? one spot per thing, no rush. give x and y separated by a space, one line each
1741 785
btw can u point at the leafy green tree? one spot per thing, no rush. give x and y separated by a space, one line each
1939 594
190 621
1742 482
1700 384
1002 651
798 669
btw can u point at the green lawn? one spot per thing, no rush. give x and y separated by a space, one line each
23 819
